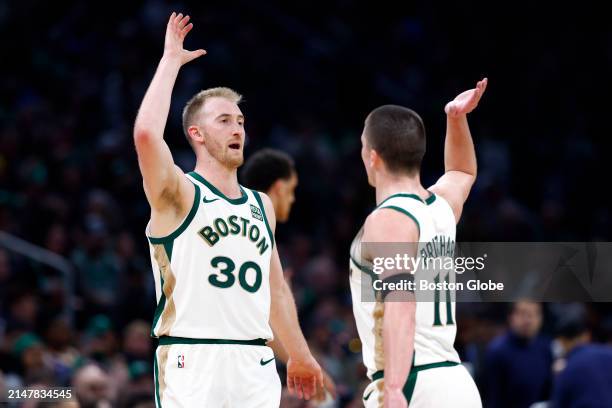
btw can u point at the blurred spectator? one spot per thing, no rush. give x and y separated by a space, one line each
62 352
137 344
92 387
98 267
23 307
586 380
34 360
519 362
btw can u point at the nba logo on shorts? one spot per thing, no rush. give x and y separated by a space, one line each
181 361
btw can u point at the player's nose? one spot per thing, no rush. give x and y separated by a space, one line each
238 130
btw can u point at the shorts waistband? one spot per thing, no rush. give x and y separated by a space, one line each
168 340
415 369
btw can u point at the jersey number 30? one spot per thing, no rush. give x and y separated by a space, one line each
226 267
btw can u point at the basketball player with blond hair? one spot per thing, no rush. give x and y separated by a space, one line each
219 283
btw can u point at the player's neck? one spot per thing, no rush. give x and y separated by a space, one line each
223 178
388 185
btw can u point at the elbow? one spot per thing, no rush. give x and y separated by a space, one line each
142 135
473 177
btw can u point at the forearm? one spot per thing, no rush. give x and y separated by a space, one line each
155 106
279 350
459 153
398 335
284 321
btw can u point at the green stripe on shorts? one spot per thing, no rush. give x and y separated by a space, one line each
168 340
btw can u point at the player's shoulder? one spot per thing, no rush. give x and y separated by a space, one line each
267 204
389 224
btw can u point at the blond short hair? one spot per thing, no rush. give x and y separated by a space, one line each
194 105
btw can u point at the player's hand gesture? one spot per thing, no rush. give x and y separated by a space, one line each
467 101
303 376
178 28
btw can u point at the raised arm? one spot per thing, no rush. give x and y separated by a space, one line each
459 154
303 372
163 181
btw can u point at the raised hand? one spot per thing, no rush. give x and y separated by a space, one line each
303 377
467 101
178 28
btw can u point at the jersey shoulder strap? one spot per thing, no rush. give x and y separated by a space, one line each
410 205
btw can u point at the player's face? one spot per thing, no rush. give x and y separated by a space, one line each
222 123
526 319
365 157
286 197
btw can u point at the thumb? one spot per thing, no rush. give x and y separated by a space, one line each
448 109
195 54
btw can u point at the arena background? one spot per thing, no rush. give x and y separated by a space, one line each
73 75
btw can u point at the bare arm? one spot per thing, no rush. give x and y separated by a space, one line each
399 307
303 372
459 154
161 178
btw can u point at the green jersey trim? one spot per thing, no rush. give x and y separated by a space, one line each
215 190
414 196
156 374
169 340
363 269
184 224
429 200
415 369
412 377
160 307
263 211
403 211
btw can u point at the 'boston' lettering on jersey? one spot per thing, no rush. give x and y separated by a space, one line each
234 225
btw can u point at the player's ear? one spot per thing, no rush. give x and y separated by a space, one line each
375 160
275 187
195 134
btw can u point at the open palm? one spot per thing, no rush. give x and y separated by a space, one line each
466 101
177 30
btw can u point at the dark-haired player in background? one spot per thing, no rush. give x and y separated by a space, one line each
273 172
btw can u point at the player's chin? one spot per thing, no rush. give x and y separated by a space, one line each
235 158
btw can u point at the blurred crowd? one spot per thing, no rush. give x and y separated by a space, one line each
69 181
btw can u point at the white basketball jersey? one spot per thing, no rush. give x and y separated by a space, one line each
435 320
212 274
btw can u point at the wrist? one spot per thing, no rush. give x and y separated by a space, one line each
392 388
300 353
171 58
457 117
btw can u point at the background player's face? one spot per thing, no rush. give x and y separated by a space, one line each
284 196
222 124
526 319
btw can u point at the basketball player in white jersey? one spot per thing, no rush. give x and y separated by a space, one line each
219 282
408 345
